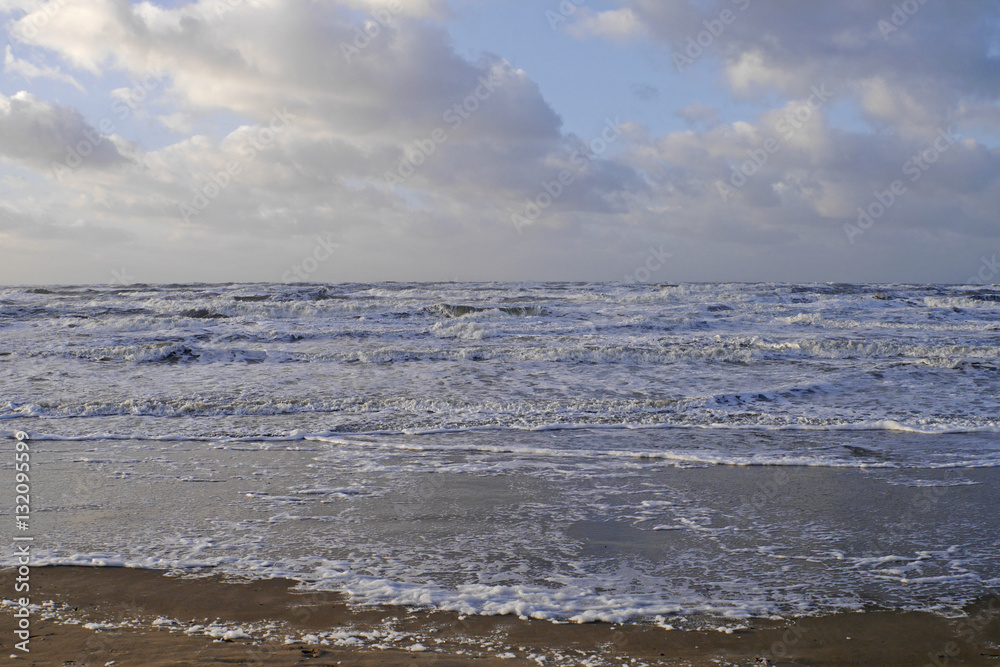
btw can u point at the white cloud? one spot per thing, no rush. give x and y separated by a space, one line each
615 24
31 71
351 122
180 123
358 106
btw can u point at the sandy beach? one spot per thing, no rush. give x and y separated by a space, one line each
510 474
93 616
450 332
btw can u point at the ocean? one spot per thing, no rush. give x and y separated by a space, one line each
681 454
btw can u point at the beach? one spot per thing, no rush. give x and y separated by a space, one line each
538 473
452 332
126 603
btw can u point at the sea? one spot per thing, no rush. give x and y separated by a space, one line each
686 454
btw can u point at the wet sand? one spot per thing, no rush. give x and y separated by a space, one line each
280 621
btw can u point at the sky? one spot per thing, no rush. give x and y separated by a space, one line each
649 141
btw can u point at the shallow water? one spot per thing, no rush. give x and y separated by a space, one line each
560 451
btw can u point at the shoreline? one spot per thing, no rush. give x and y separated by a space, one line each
146 617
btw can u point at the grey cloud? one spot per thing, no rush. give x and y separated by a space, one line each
354 121
38 134
698 114
940 54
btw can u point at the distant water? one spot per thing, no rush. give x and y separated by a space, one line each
564 450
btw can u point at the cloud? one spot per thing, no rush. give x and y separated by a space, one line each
294 118
179 123
354 114
414 8
257 56
937 71
805 181
615 24
699 114
21 225
39 134
30 71
940 54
